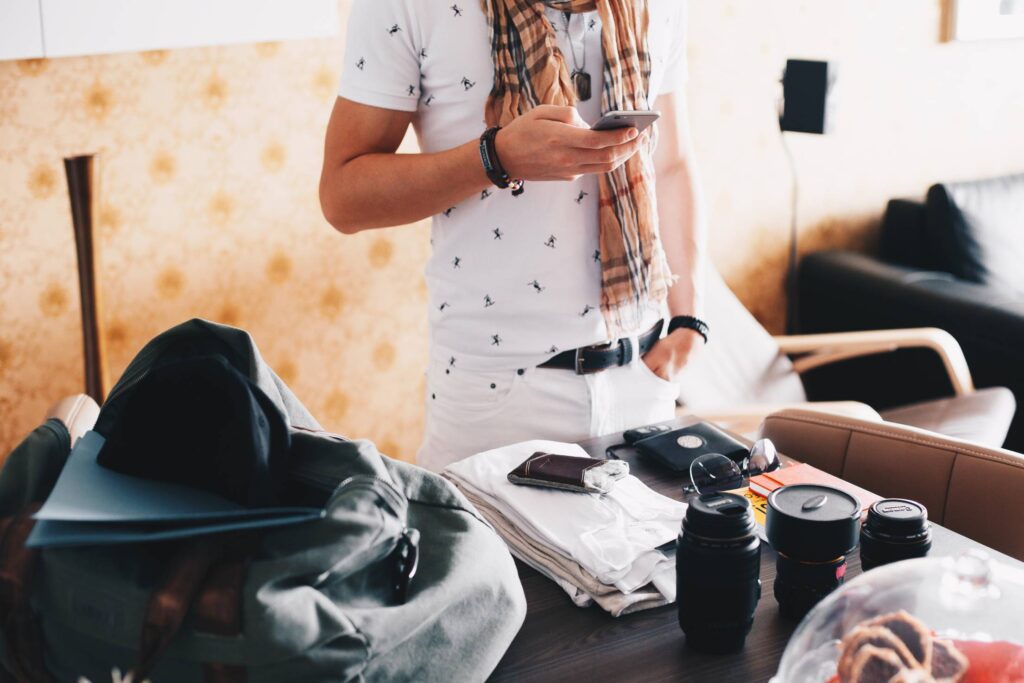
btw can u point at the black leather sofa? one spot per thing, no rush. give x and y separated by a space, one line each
955 261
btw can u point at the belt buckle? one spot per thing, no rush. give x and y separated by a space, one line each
579 362
580 370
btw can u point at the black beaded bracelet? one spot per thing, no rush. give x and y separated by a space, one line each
492 164
688 322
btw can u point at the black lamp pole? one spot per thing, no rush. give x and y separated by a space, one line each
81 189
805 109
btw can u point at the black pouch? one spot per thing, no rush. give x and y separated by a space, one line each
567 472
678 448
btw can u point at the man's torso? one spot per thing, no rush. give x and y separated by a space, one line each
512 280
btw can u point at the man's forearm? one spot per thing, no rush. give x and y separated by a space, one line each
378 190
684 237
680 214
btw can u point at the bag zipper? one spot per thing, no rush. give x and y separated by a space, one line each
404 553
393 497
385 489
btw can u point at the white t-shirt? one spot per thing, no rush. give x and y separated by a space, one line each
512 280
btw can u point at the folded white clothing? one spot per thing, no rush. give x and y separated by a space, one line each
614 537
581 586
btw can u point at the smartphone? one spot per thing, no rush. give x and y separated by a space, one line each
624 119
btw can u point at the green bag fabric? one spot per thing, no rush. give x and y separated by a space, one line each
318 602
32 468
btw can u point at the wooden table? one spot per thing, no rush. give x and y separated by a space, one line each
562 642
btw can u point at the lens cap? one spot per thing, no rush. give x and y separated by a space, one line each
895 529
897 518
812 523
719 516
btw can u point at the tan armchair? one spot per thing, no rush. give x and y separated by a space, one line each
745 373
973 490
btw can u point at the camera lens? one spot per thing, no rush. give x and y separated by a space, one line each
800 585
813 528
895 529
718 562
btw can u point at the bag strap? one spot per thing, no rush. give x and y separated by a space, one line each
199 569
195 573
218 610
209 573
170 601
22 634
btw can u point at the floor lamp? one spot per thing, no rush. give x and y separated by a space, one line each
80 171
805 108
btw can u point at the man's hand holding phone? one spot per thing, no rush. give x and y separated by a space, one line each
552 142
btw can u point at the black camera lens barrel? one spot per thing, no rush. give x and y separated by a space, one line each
895 529
718 564
813 528
799 586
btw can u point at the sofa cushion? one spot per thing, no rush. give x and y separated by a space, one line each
904 238
976 230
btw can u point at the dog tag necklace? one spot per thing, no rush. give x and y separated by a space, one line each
580 78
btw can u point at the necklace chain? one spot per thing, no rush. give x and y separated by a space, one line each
580 78
579 67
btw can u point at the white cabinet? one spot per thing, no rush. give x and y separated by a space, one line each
62 28
21 33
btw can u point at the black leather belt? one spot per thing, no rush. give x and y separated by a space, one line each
589 359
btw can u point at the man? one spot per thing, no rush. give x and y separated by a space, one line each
546 297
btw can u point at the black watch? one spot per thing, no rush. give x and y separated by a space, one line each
688 322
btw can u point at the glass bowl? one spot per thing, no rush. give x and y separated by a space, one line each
964 616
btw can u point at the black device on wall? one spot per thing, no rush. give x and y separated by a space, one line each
805 91
805 108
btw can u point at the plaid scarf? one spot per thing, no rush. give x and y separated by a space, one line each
529 70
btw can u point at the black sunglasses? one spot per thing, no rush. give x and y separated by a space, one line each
715 472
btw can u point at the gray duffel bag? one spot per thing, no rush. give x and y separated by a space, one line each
400 580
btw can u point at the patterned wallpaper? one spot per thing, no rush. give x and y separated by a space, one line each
209 161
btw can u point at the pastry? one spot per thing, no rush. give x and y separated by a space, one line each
898 648
912 632
874 665
877 636
948 664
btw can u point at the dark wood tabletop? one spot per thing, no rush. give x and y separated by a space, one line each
562 642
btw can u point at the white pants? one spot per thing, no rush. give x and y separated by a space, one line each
469 412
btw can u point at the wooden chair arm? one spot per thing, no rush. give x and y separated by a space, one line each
816 350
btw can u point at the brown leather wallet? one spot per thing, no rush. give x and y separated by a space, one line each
567 472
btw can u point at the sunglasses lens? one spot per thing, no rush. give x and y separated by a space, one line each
763 458
715 472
